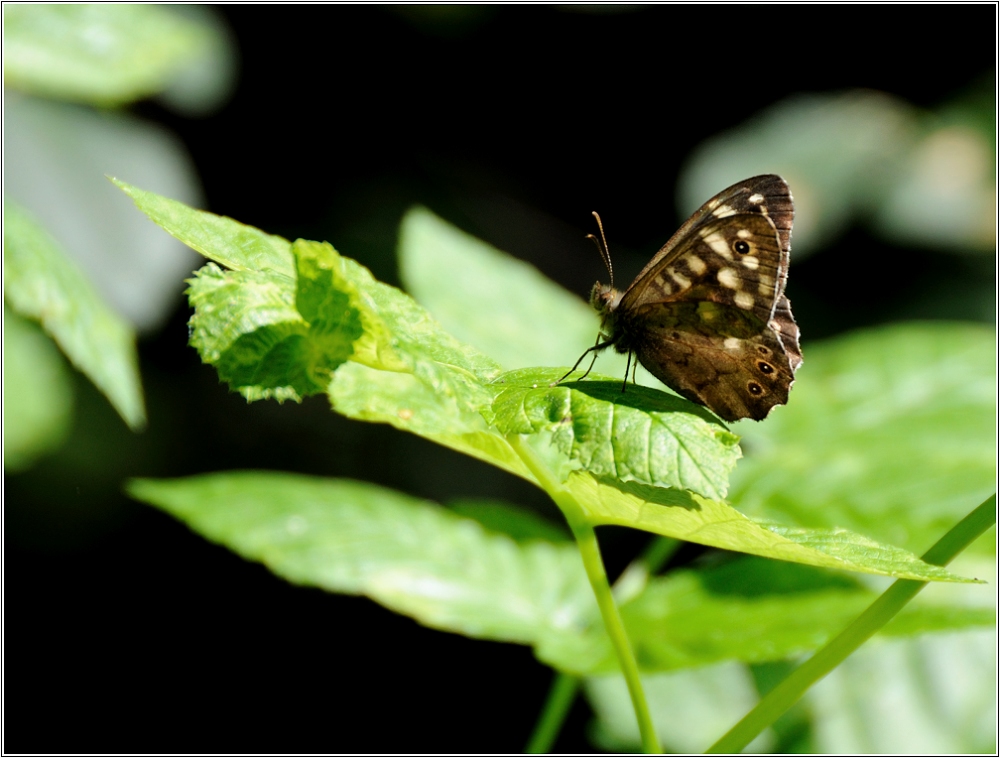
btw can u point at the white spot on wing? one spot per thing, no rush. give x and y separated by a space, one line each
743 300
728 278
744 234
766 285
718 243
756 198
696 264
682 281
731 343
750 262
723 210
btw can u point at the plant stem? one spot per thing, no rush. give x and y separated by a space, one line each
557 705
586 541
565 686
878 614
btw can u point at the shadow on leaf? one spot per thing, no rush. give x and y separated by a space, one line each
667 496
641 398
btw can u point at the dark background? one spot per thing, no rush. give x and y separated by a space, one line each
125 632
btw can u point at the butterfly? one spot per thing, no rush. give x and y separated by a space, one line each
708 315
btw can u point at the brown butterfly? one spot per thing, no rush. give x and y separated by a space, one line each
708 315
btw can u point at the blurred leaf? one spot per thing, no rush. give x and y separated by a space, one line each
945 195
931 695
101 54
41 283
642 435
838 153
209 76
690 708
55 161
38 394
410 555
506 518
890 432
752 611
501 305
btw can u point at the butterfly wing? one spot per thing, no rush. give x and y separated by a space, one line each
766 195
716 355
733 261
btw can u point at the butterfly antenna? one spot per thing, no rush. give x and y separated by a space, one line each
602 246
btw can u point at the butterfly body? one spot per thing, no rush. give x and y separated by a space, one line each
708 315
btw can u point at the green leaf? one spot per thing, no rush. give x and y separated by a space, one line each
404 369
36 384
272 337
889 432
749 610
223 240
690 708
497 303
101 54
503 306
513 520
41 283
641 435
410 555
693 518
931 695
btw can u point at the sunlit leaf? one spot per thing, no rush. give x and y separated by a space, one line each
410 555
223 240
890 432
642 434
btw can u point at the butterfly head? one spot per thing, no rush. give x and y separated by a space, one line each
605 299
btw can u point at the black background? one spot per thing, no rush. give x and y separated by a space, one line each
126 633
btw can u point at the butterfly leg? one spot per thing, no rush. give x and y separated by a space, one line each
628 365
598 347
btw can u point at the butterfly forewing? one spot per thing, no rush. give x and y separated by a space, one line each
733 261
767 194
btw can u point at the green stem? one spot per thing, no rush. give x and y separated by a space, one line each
557 705
659 551
878 614
586 541
565 686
